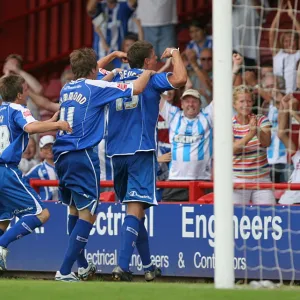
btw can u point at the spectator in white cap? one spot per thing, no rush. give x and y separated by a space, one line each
45 170
190 133
29 159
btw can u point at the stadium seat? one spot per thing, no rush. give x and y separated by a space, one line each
206 199
52 90
107 197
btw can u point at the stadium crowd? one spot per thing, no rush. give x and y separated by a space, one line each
264 97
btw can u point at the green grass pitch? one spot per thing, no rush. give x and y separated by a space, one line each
40 289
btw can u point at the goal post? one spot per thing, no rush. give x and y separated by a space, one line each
223 188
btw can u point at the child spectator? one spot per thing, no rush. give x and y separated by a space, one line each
45 170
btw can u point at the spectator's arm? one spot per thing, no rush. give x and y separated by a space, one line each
283 124
237 60
32 82
298 76
203 77
132 3
165 158
91 7
166 110
139 28
264 136
239 145
43 102
273 35
293 17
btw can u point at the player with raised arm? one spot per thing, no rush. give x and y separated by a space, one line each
82 103
133 150
17 197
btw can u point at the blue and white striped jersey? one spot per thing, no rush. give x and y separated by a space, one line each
13 138
132 120
114 26
44 171
276 152
194 46
82 104
191 143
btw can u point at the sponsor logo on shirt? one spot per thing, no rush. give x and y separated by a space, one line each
122 86
187 139
26 113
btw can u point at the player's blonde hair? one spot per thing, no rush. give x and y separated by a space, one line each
241 89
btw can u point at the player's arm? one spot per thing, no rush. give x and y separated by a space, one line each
179 75
140 84
104 61
110 76
49 125
106 92
43 102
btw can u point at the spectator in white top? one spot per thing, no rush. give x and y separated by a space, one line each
246 21
45 170
28 159
277 154
199 39
190 133
158 19
286 54
14 65
289 108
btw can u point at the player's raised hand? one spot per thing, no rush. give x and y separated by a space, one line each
64 126
121 55
169 52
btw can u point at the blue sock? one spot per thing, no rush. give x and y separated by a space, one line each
142 245
129 234
23 227
81 261
77 242
1 232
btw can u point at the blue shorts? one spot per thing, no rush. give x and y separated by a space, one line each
135 177
79 179
17 197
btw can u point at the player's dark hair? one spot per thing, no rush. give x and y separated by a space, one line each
17 57
83 61
10 87
138 52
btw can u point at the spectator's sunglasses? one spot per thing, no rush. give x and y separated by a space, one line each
206 58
